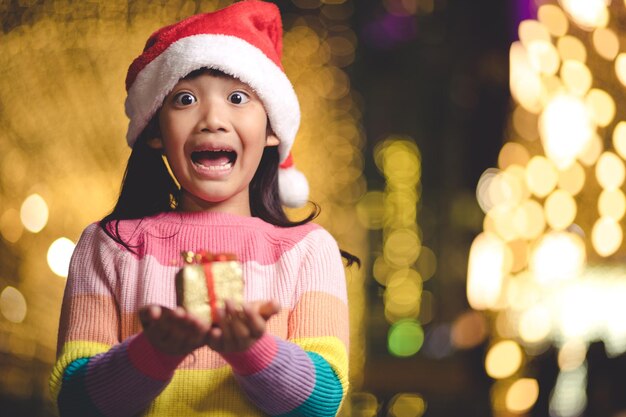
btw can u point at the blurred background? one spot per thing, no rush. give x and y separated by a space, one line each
471 153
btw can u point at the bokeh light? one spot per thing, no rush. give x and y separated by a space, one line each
485 271
522 395
34 213
572 354
541 176
405 338
576 77
572 179
553 19
407 405
535 324
606 43
619 139
610 171
558 256
570 47
12 304
612 203
59 255
560 208
565 128
469 330
11 226
587 14
601 106
503 359
606 236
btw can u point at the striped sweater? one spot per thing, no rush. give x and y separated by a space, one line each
107 367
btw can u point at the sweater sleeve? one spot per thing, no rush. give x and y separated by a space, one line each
306 375
95 373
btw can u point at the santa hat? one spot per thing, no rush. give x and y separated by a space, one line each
243 40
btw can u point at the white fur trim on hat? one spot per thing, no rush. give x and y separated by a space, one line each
292 187
229 54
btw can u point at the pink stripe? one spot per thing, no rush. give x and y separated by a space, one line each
252 239
150 361
255 359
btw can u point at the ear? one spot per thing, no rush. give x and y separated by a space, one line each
155 143
272 139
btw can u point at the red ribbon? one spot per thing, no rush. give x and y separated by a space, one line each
210 286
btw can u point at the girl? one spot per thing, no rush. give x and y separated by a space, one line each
210 95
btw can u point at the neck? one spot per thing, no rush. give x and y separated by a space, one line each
239 205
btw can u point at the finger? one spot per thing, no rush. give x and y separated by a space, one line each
215 339
256 323
148 314
268 309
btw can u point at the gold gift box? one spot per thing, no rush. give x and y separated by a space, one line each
206 280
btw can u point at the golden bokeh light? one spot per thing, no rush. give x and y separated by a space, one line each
513 153
519 250
11 226
530 31
402 295
553 19
485 271
529 220
407 405
522 395
12 305
610 171
535 324
59 255
570 47
483 195
619 139
402 247
503 222
525 83
572 179
601 106
543 57
606 43
525 123
558 256
587 14
572 354
612 203
620 68
541 176
469 330
34 213
606 236
576 77
503 359
560 208
592 151
370 210
565 128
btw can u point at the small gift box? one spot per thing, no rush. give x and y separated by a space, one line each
206 280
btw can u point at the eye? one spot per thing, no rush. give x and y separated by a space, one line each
238 97
184 99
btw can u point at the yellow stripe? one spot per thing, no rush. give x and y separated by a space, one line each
69 353
201 393
333 350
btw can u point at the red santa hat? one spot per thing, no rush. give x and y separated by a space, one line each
243 40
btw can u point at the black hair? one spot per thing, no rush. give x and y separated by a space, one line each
148 188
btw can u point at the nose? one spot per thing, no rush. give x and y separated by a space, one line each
214 117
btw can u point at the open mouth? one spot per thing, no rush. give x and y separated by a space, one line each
218 159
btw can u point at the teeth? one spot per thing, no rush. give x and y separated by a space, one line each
224 167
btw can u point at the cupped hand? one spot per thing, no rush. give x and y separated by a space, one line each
238 329
175 332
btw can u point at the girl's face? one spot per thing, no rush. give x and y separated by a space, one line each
213 132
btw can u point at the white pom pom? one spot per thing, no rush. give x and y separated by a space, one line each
293 187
